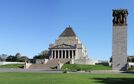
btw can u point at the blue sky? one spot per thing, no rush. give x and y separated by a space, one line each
29 26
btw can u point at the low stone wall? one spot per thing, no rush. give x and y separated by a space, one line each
27 65
41 61
60 66
85 61
4 63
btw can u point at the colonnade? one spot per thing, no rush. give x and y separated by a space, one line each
63 53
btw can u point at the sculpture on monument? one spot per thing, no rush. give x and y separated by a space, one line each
120 16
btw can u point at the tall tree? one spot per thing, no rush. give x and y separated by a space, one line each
17 58
43 55
11 58
130 58
23 58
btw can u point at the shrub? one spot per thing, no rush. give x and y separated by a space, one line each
131 69
79 67
64 71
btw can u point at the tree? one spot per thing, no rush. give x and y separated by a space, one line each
23 59
110 59
43 55
3 57
130 59
17 58
11 58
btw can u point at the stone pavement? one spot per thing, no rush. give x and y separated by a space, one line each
29 70
58 71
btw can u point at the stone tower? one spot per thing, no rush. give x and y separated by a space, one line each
119 40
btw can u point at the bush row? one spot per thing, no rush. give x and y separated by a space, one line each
79 67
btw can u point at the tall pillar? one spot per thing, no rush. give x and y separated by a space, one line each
55 54
119 42
72 54
61 53
68 54
51 53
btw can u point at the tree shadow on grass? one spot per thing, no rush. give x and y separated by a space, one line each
115 80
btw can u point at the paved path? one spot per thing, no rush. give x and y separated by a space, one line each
29 70
57 71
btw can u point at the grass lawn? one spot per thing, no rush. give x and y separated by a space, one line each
47 78
12 66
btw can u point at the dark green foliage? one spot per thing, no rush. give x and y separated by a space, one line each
79 67
130 59
131 69
110 59
43 55
64 71
11 58
104 63
23 58
16 58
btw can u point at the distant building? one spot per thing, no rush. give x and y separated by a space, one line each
68 48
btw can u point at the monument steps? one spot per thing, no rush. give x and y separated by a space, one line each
38 66
50 64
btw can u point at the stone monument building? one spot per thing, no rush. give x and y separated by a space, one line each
68 48
119 42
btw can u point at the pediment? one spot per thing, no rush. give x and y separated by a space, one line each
64 46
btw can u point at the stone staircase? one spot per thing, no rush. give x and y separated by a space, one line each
51 64
39 66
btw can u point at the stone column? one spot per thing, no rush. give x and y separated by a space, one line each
51 53
61 53
68 54
55 54
72 53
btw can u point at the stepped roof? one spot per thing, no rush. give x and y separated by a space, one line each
68 32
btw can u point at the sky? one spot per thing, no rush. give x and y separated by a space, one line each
29 26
